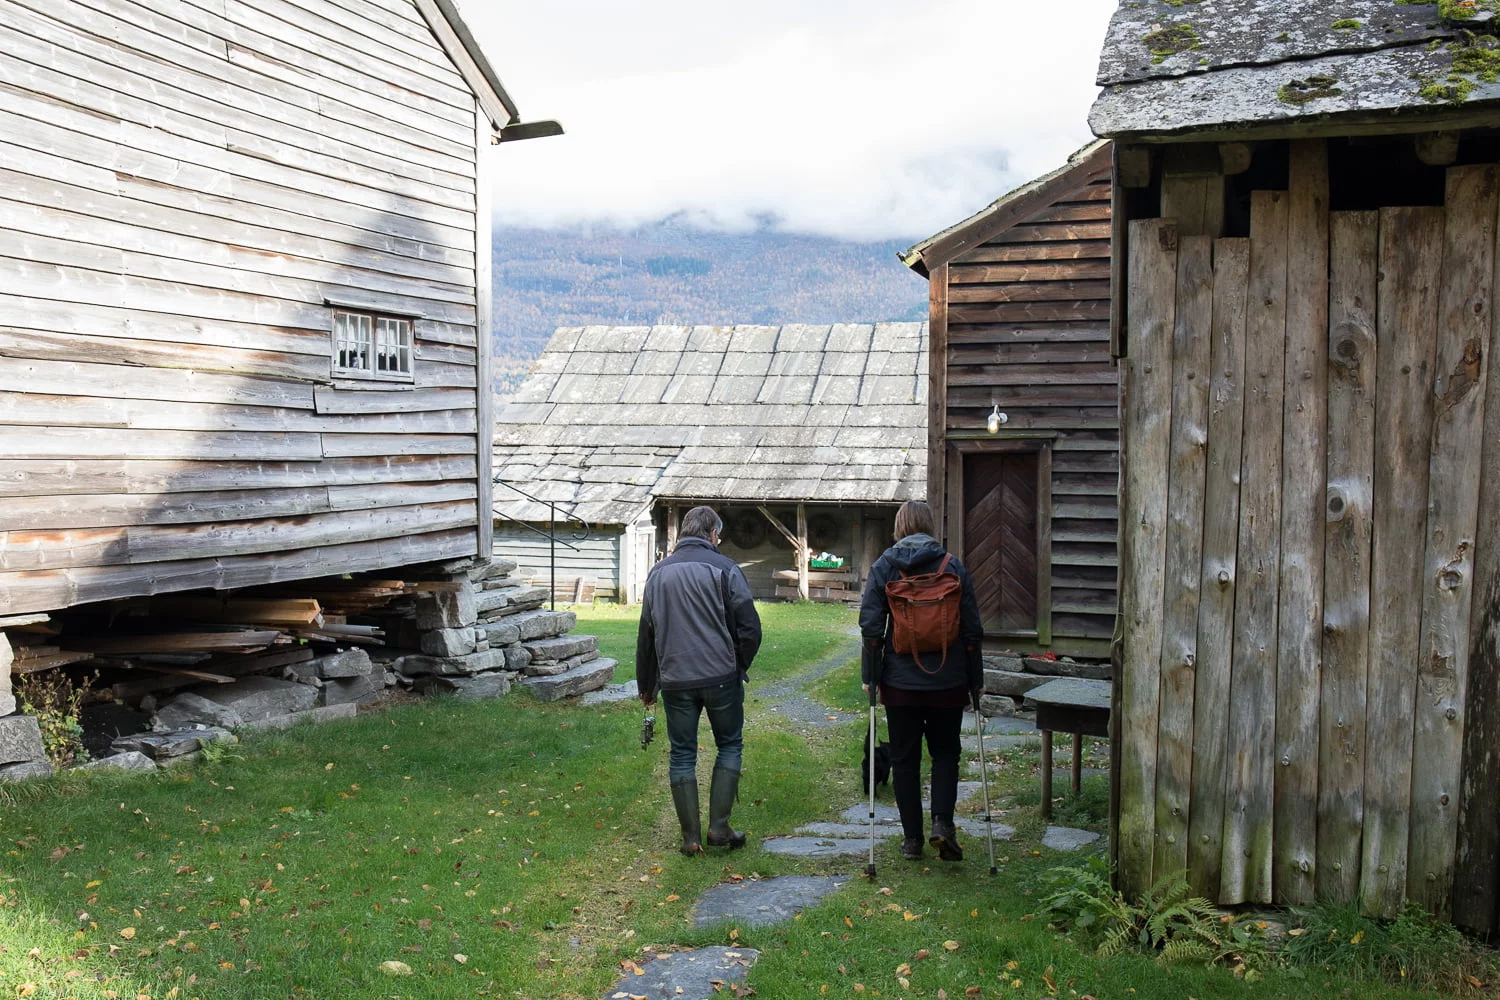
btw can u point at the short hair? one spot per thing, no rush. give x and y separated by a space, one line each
700 522
914 518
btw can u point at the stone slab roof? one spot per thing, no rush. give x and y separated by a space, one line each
613 417
1173 67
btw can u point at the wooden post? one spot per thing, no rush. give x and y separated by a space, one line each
857 549
1226 418
1411 257
1452 519
671 528
1299 628
1146 416
1246 872
1354 239
1077 764
1192 337
1044 545
484 332
937 393
1046 774
1476 898
802 551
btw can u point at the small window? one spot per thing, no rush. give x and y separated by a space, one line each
366 345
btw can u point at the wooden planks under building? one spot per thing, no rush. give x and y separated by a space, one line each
246 330
1019 322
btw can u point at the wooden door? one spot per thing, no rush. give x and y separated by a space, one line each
1000 537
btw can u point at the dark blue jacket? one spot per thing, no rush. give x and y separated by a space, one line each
963 663
699 627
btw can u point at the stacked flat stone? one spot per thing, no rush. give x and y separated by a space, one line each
1009 677
21 752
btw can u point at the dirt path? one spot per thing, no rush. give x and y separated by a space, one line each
787 698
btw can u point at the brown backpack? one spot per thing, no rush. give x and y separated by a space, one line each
924 613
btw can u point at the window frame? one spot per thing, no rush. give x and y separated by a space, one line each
384 334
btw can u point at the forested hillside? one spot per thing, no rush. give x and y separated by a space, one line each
673 273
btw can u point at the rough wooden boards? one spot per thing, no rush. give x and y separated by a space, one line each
1352 358
937 393
1476 895
1221 505
1191 354
1460 375
1411 241
1147 414
1300 588
1246 874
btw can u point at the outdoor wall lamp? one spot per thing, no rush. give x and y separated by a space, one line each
995 419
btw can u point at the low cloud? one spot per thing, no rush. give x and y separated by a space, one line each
861 120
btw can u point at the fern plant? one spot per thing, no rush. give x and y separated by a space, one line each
1167 920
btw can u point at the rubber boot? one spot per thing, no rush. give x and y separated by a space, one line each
721 795
685 799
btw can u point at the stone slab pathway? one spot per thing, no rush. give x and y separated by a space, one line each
1065 838
761 902
610 693
686 975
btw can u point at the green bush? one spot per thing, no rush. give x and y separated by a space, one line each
56 700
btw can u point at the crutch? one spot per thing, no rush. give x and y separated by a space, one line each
874 662
984 781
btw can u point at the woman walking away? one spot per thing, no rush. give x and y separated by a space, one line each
924 655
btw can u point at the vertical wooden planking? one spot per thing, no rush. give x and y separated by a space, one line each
484 327
1118 253
937 393
803 553
1191 358
1044 545
1146 402
1246 871
1221 505
1411 255
1346 551
1476 896
1459 374
1299 627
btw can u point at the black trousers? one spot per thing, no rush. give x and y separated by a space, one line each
941 726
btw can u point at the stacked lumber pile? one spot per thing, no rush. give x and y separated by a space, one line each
822 585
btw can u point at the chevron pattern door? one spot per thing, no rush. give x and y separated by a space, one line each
1000 537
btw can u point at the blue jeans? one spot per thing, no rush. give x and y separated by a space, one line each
725 705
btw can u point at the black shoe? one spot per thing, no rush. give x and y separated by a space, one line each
945 839
911 848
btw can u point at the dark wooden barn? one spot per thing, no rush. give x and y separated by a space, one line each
1309 693
1023 420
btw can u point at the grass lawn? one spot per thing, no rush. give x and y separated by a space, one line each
513 849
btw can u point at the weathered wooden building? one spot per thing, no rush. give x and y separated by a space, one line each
246 310
1309 700
804 438
1023 460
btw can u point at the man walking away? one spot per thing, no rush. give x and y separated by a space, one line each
699 633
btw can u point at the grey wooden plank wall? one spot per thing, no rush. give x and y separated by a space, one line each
182 185
1028 330
597 557
1300 734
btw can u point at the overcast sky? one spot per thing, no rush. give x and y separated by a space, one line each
861 119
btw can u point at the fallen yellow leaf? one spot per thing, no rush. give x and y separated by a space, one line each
393 968
94 884
673 897
127 933
951 946
1357 938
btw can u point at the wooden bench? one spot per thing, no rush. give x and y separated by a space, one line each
1069 705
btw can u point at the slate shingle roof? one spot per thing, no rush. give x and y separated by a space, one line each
1223 64
614 416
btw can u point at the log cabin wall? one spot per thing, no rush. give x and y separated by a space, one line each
189 191
1309 694
1020 304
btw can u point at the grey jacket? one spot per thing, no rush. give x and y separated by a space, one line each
699 627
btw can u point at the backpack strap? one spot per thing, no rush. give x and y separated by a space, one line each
947 558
